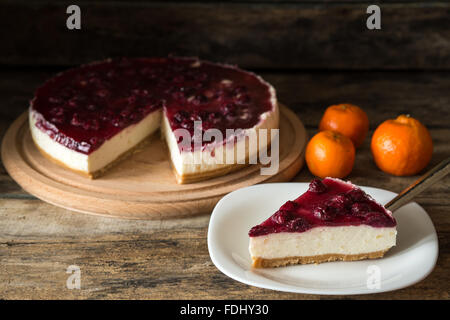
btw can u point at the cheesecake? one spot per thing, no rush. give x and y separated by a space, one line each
91 117
333 220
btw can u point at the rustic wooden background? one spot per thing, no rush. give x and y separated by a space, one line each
267 34
315 53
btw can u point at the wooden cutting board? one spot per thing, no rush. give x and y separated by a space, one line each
143 186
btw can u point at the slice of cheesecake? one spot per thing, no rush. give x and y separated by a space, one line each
333 220
88 118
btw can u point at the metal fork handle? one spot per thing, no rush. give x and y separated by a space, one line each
423 183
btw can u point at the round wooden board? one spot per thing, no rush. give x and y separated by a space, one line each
142 186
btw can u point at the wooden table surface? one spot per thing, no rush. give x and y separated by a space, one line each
169 259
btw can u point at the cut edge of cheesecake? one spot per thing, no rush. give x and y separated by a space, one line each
187 171
313 246
95 164
43 141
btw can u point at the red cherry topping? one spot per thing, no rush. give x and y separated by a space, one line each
108 96
328 202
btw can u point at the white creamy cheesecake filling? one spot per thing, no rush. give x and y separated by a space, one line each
109 151
323 240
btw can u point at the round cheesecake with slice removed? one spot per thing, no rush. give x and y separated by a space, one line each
89 118
333 220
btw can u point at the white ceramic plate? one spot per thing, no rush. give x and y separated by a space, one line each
410 261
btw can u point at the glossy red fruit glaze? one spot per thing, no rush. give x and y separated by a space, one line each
330 202
83 107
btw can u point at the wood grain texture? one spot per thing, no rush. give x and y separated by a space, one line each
169 259
300 35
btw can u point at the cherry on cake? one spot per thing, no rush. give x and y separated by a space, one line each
333 220
89 118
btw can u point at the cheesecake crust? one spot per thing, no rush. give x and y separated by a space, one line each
196 177
281 262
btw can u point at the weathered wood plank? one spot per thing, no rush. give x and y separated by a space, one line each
263 35
382 95
425 95
135 260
